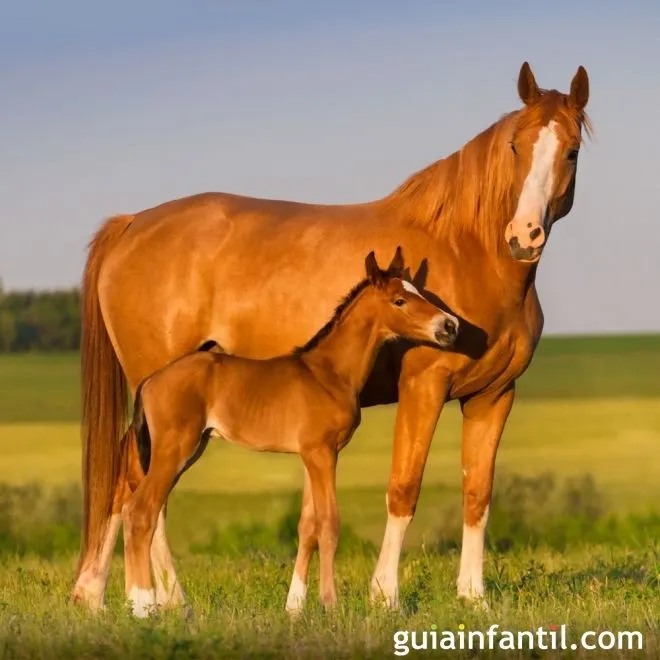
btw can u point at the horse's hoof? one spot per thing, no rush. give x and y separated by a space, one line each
478 603
294 612
380 598
142 602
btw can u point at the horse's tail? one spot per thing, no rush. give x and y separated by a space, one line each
104 396
142 435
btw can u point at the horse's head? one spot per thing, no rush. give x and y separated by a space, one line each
544 145
403 311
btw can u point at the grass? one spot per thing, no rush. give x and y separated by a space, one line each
565 561
238 607
615 440
573 537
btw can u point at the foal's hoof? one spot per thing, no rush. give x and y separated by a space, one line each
91 600
329 604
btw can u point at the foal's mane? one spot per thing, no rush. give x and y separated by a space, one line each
338 313
469 190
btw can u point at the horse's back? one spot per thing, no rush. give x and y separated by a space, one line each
205 212
198 267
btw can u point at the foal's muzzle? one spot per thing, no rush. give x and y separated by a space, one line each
447 331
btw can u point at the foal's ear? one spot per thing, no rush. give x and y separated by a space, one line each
374 274
528 90
579 94
396 267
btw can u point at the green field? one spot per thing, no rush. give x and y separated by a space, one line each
573 537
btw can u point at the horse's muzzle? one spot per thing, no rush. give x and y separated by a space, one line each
520 253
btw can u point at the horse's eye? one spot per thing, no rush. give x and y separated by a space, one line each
513 148
400 302
572 154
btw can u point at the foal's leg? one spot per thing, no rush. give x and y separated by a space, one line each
421 398
168 590
321 463
306 544
169 453
483 422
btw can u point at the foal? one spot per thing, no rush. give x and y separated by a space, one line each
306 403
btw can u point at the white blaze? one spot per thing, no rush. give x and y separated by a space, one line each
537 187
410 288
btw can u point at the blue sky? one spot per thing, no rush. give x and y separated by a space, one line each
113 107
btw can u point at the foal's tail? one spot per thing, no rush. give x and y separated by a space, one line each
142 435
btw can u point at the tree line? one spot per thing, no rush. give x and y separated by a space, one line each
39 320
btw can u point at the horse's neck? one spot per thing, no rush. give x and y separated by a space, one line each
490 269
457 204
349 351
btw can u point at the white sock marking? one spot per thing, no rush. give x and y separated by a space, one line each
470 583
385 582
168 589
142 601
92 581
297 594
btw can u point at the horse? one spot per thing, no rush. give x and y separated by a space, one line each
306 402
222 267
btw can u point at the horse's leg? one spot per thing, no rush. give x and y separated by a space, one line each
321 463
422 394
306 544
483 422
169 592
92 582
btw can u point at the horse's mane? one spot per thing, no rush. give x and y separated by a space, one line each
339 311
468 190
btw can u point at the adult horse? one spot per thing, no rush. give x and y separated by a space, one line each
222 267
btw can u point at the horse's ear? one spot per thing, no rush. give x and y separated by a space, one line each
373 271
396 267
528 90
579 94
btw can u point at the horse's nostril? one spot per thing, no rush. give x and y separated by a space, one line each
535 233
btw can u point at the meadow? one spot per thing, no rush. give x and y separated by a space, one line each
573 537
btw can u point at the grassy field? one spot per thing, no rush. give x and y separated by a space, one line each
573 537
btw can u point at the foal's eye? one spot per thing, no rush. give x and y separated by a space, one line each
513 148
400 302
572 154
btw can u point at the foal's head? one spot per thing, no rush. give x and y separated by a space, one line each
544 145
403 311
